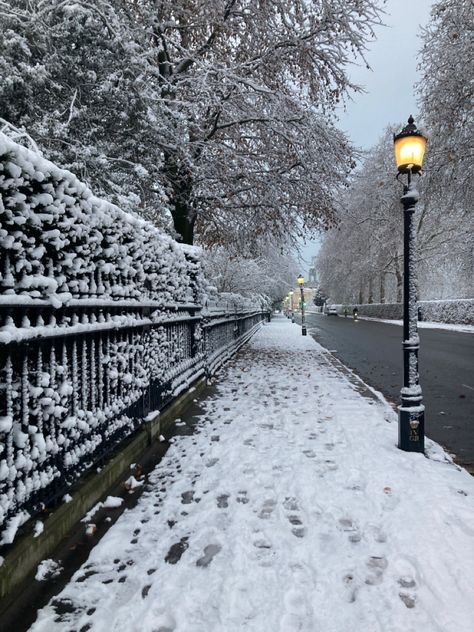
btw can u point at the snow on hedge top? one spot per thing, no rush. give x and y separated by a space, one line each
57 240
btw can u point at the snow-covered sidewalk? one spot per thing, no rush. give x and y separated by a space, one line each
291 509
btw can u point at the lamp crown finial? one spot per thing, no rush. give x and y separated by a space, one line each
411 120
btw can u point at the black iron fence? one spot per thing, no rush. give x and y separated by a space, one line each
78 379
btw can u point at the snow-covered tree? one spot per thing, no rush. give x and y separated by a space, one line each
361 260
73 75
446 93
251 80
220 105
269 275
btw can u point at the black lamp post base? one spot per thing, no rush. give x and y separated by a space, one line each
303 330
411 429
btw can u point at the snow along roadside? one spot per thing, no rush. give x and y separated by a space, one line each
290 509
422 324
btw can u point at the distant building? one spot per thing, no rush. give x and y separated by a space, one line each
313 280
309 295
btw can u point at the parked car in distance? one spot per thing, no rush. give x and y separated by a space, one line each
331 310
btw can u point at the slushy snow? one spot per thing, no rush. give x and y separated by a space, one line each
47 570
291 509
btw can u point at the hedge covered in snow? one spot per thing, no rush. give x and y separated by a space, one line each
460 311
58 241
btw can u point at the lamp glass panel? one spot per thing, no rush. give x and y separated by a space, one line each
410 150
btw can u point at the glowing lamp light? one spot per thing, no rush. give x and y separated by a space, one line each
410 147
300 280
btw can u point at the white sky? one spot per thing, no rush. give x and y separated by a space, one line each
389 96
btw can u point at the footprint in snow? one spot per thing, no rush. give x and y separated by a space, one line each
291 505
187 497
87 574
350 587
211 462
379 534
210 551
176 551
407 583
409 599
242 497
376 566
264 552
298 530
222 501
351 528
267 509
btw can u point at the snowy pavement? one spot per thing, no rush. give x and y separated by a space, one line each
290 509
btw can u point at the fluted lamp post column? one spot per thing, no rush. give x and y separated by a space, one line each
303 323
409 152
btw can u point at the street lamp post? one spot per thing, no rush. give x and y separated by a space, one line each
303 323
409 151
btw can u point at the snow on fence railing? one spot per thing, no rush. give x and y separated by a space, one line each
456 311
101 324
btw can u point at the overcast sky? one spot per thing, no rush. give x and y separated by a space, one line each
389 96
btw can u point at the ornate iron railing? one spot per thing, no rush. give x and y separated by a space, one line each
78 379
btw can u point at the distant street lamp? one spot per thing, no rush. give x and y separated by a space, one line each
409 151
303 324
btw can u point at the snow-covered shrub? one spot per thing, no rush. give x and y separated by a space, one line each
459 311
58 241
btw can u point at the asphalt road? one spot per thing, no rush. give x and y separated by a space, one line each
374 351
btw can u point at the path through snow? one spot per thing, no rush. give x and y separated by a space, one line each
290 509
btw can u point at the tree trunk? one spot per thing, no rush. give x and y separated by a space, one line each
371 291
184 219
180 186
361 295
382 287
399 276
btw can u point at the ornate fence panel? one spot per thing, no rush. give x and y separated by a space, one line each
77 380
100 325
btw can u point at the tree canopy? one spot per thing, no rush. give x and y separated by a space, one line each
362 259
215 113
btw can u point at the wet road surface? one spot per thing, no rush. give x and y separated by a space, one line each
374 351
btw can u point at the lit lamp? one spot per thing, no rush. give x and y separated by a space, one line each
410 147
300 280
409 152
